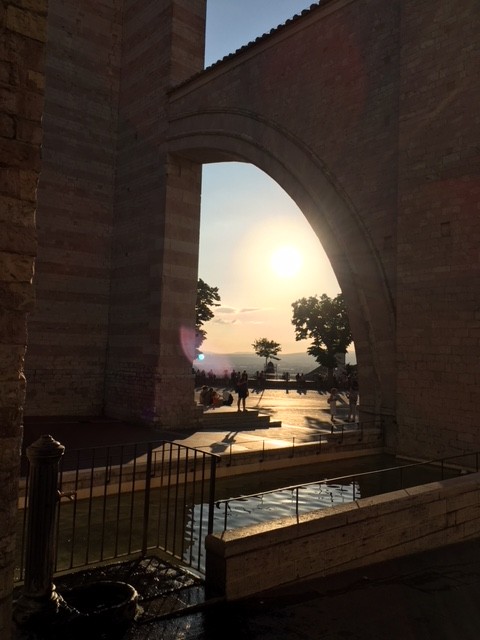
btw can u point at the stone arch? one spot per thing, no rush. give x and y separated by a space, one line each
219 136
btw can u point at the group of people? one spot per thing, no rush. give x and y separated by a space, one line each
210 398
216 379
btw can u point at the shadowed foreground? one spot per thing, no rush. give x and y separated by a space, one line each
432 595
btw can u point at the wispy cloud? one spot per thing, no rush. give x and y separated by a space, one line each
231 310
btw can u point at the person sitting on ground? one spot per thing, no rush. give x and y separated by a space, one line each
227 398
203 399
215 399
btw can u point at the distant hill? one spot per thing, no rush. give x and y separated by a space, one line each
291 362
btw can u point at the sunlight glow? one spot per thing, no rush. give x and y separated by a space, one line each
246 219
286 261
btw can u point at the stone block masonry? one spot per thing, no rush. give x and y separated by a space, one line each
68 331
364 111
155 238
359 110
438 228
115 278
22 41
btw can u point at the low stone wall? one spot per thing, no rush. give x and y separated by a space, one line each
250 560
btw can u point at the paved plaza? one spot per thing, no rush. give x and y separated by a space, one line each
292 416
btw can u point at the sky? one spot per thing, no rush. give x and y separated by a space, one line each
255 244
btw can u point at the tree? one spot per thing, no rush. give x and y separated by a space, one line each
207 297
267 349
325 321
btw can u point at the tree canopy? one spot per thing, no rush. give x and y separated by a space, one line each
267 349
324 320
207 297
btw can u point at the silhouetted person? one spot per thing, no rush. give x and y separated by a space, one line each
332 401
242 391
352 401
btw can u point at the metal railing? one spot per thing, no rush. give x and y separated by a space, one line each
126 500
331 491
321 440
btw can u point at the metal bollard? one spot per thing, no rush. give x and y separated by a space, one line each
39 600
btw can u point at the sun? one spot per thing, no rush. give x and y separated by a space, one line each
286 261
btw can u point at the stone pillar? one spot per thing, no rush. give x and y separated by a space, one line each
156 228
39 600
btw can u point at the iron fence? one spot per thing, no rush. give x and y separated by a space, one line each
322 440
126 500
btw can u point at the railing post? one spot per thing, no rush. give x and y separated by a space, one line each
211 497
39 600
146 504
225 515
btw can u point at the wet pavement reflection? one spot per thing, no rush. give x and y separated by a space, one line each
433 595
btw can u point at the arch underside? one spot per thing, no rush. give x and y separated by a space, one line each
243 137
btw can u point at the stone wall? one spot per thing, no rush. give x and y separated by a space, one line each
249 560
360 110
438 227
22 81
115 277
157 217
69 328
364 113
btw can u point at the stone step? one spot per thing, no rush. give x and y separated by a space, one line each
239 421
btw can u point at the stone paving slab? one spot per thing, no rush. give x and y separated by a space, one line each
429 596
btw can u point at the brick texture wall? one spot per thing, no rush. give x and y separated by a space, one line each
68 330
23 29
114 279
380 99
375 100
438 303
155 255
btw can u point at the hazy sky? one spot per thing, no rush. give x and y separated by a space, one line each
255 244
